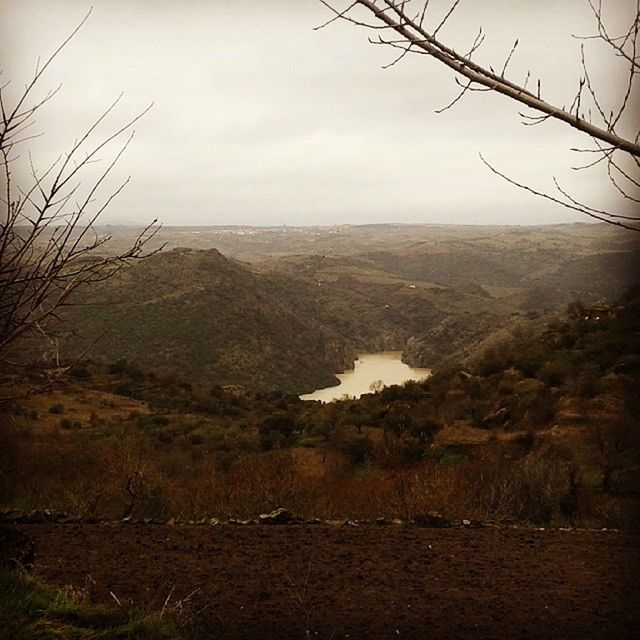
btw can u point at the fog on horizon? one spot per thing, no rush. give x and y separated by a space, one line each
260 120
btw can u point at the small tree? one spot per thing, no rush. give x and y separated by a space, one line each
49 247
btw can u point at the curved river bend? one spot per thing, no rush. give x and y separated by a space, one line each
369 368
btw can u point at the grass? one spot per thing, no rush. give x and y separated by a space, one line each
30 609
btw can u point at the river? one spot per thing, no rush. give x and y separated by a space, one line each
386 367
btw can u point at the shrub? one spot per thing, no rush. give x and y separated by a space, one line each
118 368
359 449
81 372
123 389
57 408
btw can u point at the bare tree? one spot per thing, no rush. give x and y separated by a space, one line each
413 28
49 247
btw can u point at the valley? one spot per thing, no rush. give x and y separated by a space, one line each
286 309
151 438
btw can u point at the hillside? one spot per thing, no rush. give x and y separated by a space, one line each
542 428
207 318
292 321
211 319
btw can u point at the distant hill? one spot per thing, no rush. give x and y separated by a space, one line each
210 318
207 318
291 321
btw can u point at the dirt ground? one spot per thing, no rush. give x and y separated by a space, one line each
359 582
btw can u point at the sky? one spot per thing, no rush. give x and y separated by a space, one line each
259 119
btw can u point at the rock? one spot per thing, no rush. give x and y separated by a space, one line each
381 521
497 418
279 516
398 522
12 515
69 519
432 520
472 524
335 523
214 522
171 521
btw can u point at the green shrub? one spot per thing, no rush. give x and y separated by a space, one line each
359 449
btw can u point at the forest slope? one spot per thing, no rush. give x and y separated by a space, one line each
295 315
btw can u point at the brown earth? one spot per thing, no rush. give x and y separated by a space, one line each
356 582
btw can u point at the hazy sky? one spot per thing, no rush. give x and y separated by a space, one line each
259 119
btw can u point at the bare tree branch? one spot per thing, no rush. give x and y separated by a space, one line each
413 36
48 248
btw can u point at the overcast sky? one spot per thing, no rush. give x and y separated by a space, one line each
259 119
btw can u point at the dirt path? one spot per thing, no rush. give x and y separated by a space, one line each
375 582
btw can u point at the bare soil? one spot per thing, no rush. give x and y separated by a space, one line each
367 581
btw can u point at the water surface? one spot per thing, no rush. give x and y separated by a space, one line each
385 367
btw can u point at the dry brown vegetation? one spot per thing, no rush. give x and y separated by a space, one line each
534 432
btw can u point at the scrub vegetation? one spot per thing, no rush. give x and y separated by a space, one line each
540 428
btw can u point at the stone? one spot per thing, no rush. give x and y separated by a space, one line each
335 523
12 515
472 524
498 418
279 516
432 520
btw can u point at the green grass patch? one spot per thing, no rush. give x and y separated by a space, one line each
446 455
30 609
311 441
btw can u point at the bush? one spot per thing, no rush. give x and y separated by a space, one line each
276 430
67 423
57 408
123 389
196 439
81 372
359 449
118 368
